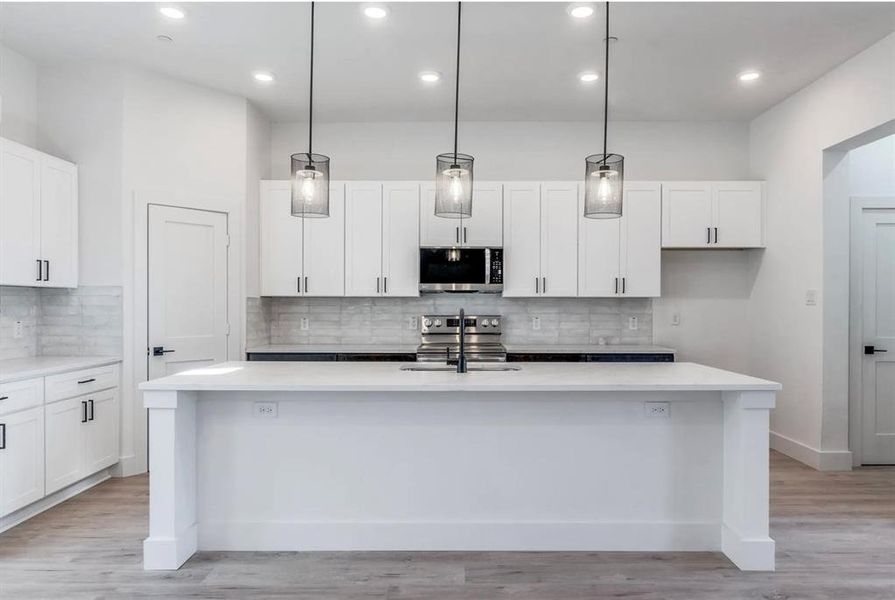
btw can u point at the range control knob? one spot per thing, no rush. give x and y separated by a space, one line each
427 322
494 322
438 322
484 322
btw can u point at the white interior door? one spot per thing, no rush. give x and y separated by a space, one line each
401 239
686 214
324 248
878 317
522 239
59 222
363 238
738 214
641 240
19 215
281 241
559 239
187 289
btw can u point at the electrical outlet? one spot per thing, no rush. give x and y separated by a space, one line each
305 324
657 409
536 323
675 319
17 330
413 322
265 409
632 323
810 297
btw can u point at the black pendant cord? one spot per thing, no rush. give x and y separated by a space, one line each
606 87
311 99
457 84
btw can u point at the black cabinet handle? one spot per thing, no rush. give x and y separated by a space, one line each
47 271
298 284
40 276
623 284
2 436
616 285
716 235
377 285
708 232
4 397
537 286
306 284
83 411
457 234
91 380
90 402
385 285
543 285
464 235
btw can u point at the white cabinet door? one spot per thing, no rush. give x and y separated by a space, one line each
21 459
599 241
559 239
436 231
64 422
522 239
363 238
641 240
100 439
738 214
59 222
324 248
19 215
485 226
401 239
281 241
686 214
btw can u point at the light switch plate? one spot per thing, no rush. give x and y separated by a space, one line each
536 323
17 330
632 323
810 297
305 324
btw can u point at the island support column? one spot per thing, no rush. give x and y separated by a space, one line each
744 529
173 532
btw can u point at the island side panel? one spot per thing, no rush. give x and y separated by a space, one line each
460 471
745 531
173 531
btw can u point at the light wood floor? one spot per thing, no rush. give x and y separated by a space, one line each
835 537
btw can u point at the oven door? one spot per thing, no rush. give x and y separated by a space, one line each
456 270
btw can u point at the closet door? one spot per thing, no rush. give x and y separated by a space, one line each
324 249
559 239
522 239
20 169
363 238
281 241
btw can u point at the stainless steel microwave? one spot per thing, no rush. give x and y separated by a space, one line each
461 270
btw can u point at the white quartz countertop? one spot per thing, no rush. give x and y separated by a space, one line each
15 369
411 349
382 376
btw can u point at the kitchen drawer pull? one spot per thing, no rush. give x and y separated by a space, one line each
40 271
47 271
298 284
90 402
2 436
4 397
91 380
83 411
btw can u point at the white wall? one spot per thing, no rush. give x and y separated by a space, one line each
257 168
872 168
787 339
18 90
80 112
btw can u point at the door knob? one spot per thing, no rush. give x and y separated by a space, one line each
160 351
872 350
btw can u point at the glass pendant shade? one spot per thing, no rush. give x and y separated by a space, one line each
310 185
604 178
453 185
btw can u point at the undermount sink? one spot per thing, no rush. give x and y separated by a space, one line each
469 367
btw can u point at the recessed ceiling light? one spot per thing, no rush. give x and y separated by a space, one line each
376 11
580 11
588 77
172 12
263 76
750 75
430 76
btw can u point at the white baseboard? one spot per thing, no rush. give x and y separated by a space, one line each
748 554
57 497
822 460
127 466
471 536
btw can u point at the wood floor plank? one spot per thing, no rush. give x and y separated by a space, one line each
835 537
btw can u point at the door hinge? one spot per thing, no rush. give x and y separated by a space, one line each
228 240
227 329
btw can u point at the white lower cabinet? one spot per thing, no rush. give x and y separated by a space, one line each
82 437
622 257
21 459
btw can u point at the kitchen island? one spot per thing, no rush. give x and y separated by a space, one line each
276 456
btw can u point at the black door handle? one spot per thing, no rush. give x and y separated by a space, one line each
873 350
160 351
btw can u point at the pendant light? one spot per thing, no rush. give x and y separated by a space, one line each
453 170
310 172
604 174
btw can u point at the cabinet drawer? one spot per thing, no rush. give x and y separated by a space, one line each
19 395
76 383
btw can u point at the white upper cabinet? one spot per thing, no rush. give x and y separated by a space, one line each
382 239
301 256
483 229
540 239
722 214
38 218
599 254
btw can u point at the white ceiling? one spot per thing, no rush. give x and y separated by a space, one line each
673 61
